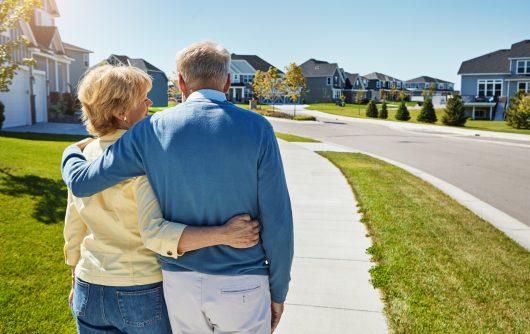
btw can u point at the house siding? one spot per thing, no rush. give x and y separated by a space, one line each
77 68
317 90
158 93
469 84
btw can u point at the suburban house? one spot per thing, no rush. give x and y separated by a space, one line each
27 101
325 81
354 85
417 85
80 64
490 80
378 82
158 93
243 69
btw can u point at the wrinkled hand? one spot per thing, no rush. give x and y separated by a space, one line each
277 311
241 232
83 143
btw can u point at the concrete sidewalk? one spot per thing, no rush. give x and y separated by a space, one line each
330 290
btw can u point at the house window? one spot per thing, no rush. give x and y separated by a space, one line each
523 67
236 77
328 81
524 86
489 87
85 60
399 85
441 86
378 84
317 67
426 85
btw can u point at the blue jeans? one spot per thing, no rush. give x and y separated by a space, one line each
120 309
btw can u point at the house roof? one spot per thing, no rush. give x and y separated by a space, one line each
494 62
44 35
318 68
380 77
240 66
352 77
428 79
140 63
256 62
75 48
521 49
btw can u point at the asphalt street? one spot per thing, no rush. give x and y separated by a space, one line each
494 170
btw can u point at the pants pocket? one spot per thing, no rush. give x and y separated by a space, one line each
140 308
81 292
243 291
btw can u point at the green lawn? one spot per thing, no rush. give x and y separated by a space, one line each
359 111
293 138
152 110
441 268
34 281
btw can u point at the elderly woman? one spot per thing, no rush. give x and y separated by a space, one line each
111 238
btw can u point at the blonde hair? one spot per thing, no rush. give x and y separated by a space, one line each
205 63
107 92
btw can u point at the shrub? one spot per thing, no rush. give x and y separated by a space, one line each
371 109
454 112
304 118
427 113
402 114
55 97
2 117
384 111
518 114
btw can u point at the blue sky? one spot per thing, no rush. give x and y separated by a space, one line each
404 39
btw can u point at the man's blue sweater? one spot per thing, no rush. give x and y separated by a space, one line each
207 160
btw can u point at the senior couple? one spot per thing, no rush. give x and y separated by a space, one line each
181 221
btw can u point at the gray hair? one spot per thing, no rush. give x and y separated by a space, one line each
205 63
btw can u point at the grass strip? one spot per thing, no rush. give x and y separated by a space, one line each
293 138
441 268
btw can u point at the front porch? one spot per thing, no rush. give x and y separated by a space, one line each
238 94
479 107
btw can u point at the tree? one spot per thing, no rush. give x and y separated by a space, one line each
11 12
518 114
427 113
454 112
394 93
384 111
2 117
402 114
294 83
359 97
274 85
371 109
258 84
173 88
382 94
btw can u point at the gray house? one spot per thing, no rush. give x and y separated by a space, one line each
325 81
80 64
243 69
490 80
379 81
417 85
158 93
354 85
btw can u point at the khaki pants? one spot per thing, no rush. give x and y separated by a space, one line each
200 303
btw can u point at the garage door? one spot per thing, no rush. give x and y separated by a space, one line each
39 90
16 101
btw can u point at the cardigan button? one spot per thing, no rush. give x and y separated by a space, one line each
169 253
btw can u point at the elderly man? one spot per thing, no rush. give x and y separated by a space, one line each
207 160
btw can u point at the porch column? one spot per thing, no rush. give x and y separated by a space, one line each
491 111
473 115
68 90
56 75
234 93
243 94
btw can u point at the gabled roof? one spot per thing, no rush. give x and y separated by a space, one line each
428 79
47 37
75 48
380 77
52 8
521 49
352 77
494 62
140 63
256 62
318 68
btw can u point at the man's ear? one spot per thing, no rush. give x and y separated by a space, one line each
182 86
227 84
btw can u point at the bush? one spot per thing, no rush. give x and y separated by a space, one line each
384 111
402 114
371 109
2 117
304 118
454 112
427 113
55 97
518 114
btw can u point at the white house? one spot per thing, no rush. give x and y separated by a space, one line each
32 85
